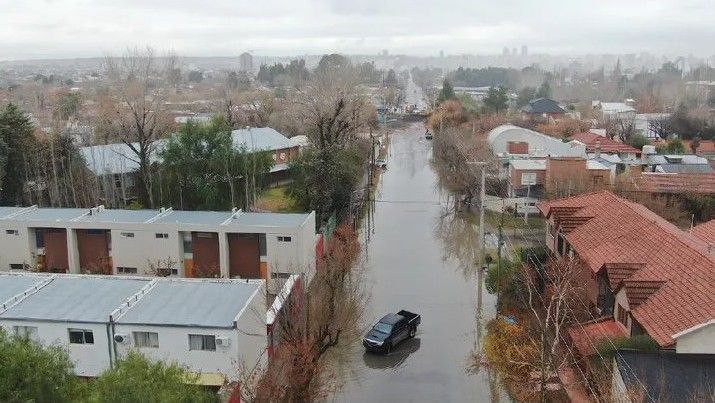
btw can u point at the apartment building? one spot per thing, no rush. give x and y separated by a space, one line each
230 244
209 326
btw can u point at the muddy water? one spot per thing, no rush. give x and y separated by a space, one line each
419 257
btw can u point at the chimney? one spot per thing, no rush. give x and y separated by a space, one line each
597 150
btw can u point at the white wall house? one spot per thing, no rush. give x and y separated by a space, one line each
214 327
230 244
699 339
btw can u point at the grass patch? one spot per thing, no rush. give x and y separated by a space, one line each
277 200
510 221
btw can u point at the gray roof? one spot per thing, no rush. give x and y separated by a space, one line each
528 164
51 214
666 375
120 216
271 219
194 217
215 303
685 168
14 284
88 299
543 105
260 139
110 159
6 211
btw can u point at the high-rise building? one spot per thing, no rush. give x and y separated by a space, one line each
505 51
524 50
245 62
441 53
514 52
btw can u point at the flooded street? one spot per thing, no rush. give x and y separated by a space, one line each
419 257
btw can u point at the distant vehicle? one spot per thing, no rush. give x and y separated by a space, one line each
390 331
381 163
428 135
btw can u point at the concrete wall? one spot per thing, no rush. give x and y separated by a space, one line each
89 359
15 249
144 248
698 341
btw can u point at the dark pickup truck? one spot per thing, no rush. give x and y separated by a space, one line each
390 331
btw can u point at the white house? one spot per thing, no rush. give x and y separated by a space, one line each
214 327
229 244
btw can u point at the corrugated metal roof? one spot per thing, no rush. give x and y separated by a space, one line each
76 299
192 303
120 216
51 214
260 139
110 159
195 217
13 284
271 219
6 211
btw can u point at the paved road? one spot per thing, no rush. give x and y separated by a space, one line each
419 258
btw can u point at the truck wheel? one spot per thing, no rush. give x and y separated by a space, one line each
413 330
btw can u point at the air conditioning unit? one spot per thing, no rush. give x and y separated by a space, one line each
121 338
223 341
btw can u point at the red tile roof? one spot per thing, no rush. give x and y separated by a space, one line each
705 232
586 337
702 183
627 233
608 146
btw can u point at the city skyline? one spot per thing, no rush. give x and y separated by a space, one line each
41 29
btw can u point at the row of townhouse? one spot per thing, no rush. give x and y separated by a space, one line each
166 242
213 327
643 276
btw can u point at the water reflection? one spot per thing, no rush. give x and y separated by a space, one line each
396 359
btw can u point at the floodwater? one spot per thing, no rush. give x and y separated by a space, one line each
420 257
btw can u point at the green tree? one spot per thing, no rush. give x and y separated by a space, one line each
208 171
544 90
67 106
638 141
496 99
525 95
323 180
674 146
447 92
468 103
136 379
333 61
32 373
16 131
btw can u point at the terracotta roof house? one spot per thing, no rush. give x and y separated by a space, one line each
651 276
706 147
705 232
675 183
599 144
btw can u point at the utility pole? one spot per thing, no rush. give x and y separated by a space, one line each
482 192
526 205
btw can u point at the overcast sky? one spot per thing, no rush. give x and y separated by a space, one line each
86 28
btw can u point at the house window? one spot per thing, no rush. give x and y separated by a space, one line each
39 238
17 266
280 275
127 270
528 178
283 156
187 243
622 315
12 232
127 234
262 248
284 239
165 272
162 235
29 332
146 339
81 336
203 342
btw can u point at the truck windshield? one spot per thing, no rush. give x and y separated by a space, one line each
383 328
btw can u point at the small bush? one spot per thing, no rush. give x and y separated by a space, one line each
607 349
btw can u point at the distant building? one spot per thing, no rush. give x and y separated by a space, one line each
524 50
543 107
245 62
505 51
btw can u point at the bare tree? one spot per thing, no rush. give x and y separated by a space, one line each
331 108
620 128
138 118
661 126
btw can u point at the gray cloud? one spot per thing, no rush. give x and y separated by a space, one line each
81 28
